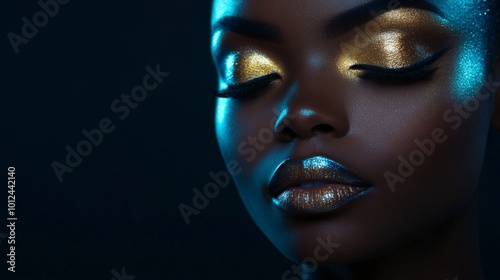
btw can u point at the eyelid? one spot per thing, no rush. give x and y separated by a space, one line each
243 66
408 69
272 76
245 89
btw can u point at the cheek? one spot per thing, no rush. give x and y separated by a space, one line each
245 132
431 133
245 135
224 126
434 165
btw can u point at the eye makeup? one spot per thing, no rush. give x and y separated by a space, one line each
244 66
415 72
396 40
246 72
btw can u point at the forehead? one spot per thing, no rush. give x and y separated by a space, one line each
300 12
265 8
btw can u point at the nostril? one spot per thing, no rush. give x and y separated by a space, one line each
287 134
323 128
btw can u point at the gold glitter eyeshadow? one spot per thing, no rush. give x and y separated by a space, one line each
244 66
396 39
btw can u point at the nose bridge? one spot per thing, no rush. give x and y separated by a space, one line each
315 74
314 102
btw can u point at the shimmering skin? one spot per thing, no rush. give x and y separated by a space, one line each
244 66
393 40
317 200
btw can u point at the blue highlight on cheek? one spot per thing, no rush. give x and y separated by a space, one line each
471 68
471 61
221 112
223 129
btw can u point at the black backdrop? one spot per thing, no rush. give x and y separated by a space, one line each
118 209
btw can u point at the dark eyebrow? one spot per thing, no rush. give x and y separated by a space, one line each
360 15
248 28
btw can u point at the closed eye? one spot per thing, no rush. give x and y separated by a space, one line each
248 89
413 73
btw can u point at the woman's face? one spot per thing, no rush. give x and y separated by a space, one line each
362 123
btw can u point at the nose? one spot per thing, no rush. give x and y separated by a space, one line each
311 111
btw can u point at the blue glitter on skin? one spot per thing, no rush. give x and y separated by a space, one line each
471 64
470 70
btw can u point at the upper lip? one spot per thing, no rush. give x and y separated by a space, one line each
293 172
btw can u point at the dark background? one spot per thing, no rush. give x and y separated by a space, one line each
119 207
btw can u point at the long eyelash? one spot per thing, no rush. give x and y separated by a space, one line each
395 78
415 72
244 90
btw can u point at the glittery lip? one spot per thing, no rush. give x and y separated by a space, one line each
315 185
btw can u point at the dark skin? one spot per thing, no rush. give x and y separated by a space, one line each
420 227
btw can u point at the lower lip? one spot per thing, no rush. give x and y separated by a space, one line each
317 200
